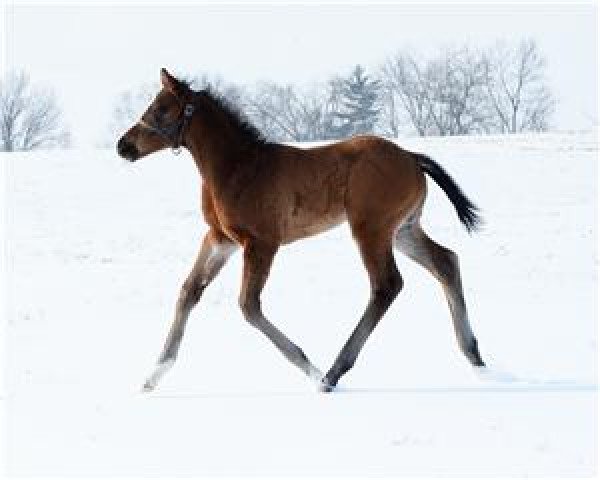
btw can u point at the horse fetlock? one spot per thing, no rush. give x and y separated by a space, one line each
471 351
161 368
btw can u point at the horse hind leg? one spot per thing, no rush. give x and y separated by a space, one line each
443 265
386 283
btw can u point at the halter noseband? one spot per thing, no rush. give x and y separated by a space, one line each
174 132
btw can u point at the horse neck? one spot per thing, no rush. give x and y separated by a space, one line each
215 147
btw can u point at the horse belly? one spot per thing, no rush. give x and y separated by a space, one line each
306 224
312 196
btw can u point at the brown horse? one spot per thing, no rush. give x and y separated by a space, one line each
259 195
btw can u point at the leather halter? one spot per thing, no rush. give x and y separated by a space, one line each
175 131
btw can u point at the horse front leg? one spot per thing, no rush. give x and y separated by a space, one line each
257 263
214 253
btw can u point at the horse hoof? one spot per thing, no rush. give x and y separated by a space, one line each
325 386
473 354
148 387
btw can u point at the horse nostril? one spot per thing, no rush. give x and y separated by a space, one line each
121 146
126 149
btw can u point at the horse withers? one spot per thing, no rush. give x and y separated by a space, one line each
258 195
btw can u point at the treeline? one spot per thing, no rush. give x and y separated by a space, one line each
462 91
496 90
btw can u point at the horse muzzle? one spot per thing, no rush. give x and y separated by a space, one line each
127 150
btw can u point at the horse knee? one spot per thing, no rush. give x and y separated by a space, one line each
250 307
446 263
389 286
190 293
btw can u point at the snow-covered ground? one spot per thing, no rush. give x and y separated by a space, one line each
97 250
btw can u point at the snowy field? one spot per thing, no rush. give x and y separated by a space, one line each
97 250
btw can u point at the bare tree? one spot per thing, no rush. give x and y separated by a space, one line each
316 112
287 113
275 111
29 117
516 87
389 111
432 84
402 77
451 90
462 92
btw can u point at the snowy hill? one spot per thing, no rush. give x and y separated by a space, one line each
97 250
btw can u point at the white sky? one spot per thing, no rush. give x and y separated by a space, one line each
90 53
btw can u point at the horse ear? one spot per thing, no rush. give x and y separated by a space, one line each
170 82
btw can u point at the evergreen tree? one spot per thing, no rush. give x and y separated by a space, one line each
358 112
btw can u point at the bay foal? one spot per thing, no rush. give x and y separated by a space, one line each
258 195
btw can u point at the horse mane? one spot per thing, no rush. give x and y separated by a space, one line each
238 119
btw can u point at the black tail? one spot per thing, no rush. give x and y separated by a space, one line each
466 210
